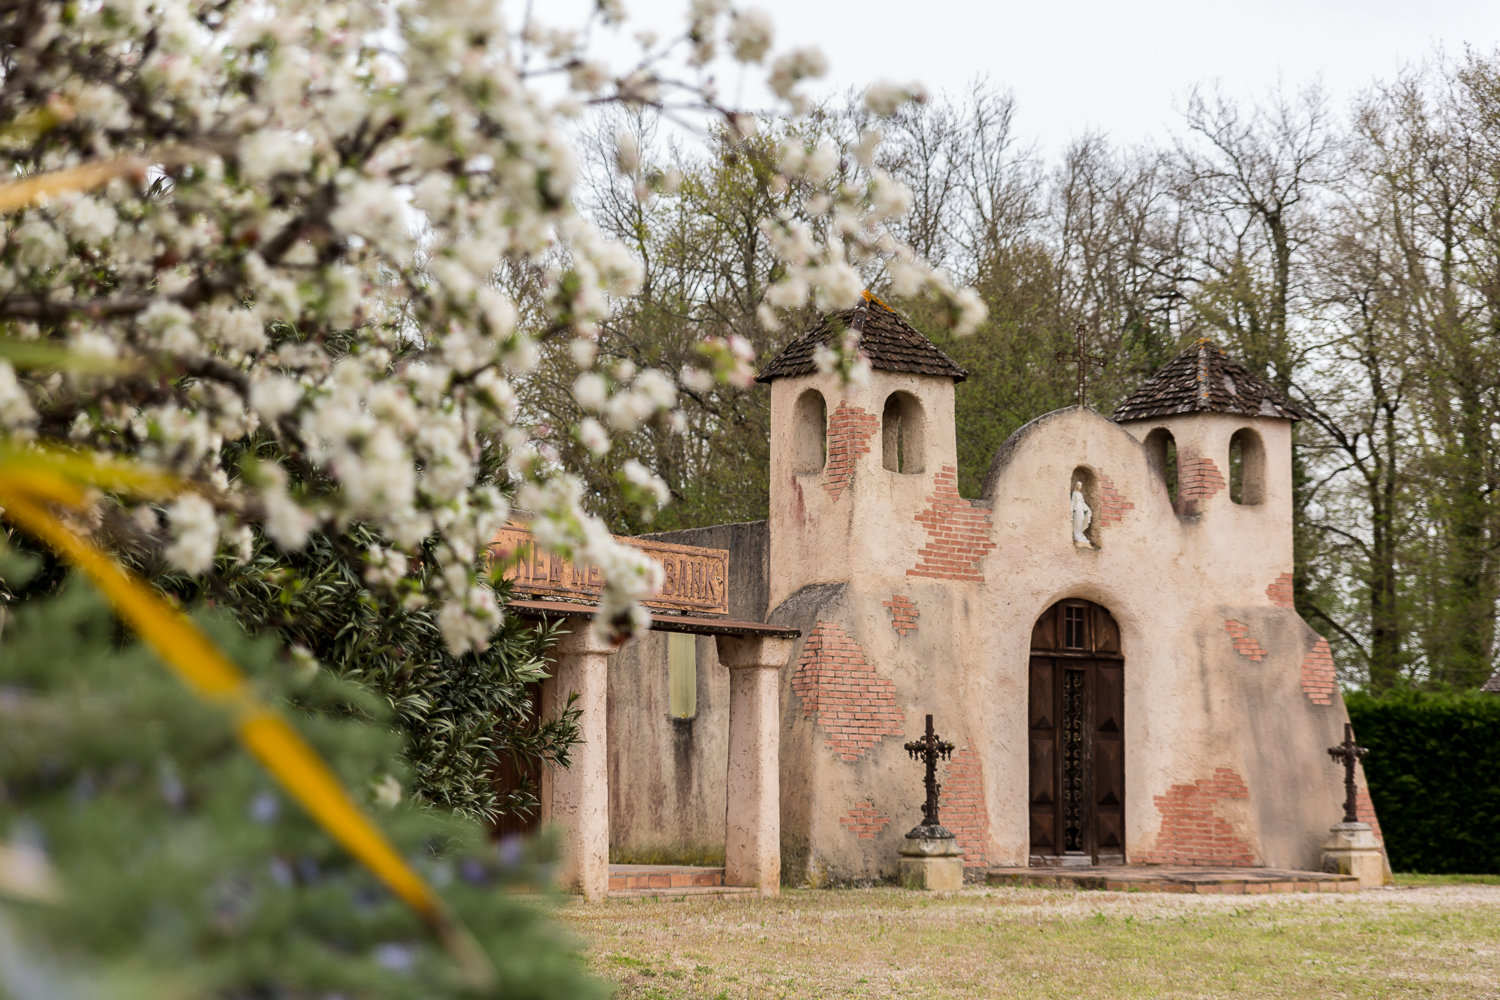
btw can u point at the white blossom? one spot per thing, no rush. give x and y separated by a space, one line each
749 35
196 534
338 298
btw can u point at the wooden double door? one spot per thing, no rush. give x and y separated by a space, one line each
1076 737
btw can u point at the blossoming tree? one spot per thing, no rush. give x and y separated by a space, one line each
282 223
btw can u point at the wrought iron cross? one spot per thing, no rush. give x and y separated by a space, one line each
929 749
1082 358
1348 753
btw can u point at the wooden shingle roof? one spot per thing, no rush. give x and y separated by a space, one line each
889 342
1203 379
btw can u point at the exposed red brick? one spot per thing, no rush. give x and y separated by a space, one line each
1318 678
1280 592
1112 503
1198 478
1244 643
903 613
843 693
864 821
1191 832
850 431
1364 809
961 807
958 533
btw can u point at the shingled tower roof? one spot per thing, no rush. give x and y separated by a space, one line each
1203 379
888 341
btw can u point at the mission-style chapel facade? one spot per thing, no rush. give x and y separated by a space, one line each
1121 669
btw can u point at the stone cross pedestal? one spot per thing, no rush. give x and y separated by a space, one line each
1351 849
931 861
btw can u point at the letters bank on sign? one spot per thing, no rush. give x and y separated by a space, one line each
693 579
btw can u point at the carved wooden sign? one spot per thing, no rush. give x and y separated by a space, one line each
693 579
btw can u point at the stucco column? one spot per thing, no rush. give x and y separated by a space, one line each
575 799
752 820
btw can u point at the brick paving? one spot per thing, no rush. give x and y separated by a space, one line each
670 880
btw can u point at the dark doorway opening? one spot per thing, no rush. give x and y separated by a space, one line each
1076 737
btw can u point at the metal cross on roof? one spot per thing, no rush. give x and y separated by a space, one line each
929 749
1348 753
1082 358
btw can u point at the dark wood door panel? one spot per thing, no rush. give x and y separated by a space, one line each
1076 644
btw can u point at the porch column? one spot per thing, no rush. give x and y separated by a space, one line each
752 821
576 798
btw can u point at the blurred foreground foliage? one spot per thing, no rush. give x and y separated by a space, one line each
149 856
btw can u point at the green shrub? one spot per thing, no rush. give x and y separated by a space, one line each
1434 776
182 870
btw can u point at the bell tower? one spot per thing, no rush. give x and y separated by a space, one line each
1221 439
853 463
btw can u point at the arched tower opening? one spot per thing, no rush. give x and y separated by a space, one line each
810 432
1247 468
1161 448
902 437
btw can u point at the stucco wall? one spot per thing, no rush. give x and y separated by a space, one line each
666 775
1225 756
914 600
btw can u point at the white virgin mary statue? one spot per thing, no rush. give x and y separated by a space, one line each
1083 516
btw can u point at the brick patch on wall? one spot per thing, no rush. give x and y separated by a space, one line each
850 431
854 705
961 807
1198 479
1280 592
1244 643
1112 503
958 533
864 821
1318 678
904 613
1191 832
1365 810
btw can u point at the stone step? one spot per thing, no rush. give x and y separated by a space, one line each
1175 878
689 892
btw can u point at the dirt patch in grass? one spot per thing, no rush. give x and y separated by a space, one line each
1000 942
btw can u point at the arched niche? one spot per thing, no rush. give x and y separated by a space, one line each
1247 468
1083 479
1161 447
902 433
810 432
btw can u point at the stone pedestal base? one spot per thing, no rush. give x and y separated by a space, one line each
931 863
1351 849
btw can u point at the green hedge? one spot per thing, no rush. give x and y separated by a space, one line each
1434 774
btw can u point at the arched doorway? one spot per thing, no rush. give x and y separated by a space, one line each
1076 737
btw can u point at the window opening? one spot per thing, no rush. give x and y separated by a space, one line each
1162 449
810 422
901 433
1073 627
1246 468
682 674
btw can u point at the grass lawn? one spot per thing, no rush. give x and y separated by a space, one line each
1428 941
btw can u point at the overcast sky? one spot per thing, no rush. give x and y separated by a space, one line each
1121 67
